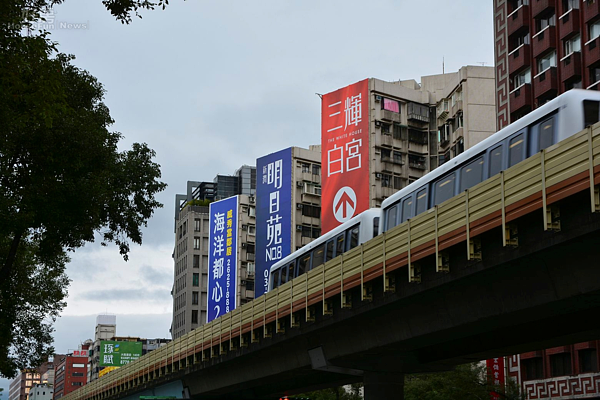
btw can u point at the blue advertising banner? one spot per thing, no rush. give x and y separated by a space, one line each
273 214
222 257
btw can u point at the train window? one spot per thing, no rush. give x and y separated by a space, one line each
375 226
318 256
406 208
471 174
444 188
516 150
329 250
303 264
276 278
290 271
339 245
284 275
353 237
391 216
421 201
591 111
546 133
496 160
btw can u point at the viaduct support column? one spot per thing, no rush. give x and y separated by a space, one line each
384 385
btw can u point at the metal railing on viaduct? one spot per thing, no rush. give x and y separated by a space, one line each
496 266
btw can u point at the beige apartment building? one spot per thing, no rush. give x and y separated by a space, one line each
435 120
306 195
191 262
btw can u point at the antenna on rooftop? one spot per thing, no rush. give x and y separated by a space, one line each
443 66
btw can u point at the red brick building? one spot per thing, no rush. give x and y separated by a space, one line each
70 373
542 49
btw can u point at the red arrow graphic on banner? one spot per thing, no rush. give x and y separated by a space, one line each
345 202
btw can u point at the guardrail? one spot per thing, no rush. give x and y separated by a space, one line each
562 170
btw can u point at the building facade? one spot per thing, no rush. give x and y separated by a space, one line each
542 49
191 253
20 387
41 391
71 373
409 128
106 328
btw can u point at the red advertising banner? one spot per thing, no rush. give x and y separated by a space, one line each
495 368
344 154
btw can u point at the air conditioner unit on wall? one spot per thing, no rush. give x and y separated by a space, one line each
298 227
299 183
251 199
243 245
299 206
377 176
377 123
377 99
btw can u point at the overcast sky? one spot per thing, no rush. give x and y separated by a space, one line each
214 85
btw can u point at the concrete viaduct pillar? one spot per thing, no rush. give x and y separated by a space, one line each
383 385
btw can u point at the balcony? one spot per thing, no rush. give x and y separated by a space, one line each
520 98
539 7
458 106
569 23
570 66
517 20
519 58
544 40
592 52
590 10
545 83
390 116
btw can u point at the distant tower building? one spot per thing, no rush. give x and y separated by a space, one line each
106 328
542 49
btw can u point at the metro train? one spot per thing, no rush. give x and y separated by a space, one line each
556 120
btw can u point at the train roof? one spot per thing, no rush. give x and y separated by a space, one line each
573 95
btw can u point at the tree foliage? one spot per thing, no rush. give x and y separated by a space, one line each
467 381
62 178
350 392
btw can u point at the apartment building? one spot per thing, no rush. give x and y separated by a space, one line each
288 206
191 255
543 48
23 383
378 136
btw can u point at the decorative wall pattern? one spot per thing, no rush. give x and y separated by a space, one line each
501 53
582 386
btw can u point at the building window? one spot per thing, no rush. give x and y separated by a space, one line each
197 225
316 169
568 5
386 155
196 261
196 280
311 211
385 128
560 364
312 188
418 162
194 316
196 243
533 368
588 360
397 157
195 298
76 383
572 45
594 30
251 230
397 182
305 168
390 105
543 23
546 62
250 248
386 180
252 211
522 78
77 374
250 268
